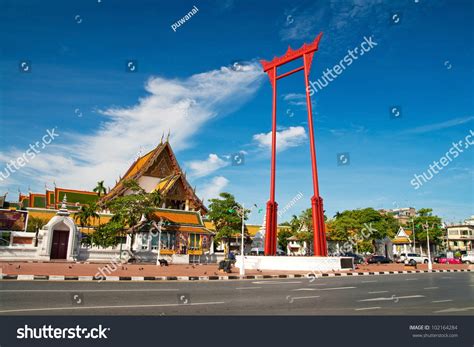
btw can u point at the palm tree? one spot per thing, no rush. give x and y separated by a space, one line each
99 189
85 214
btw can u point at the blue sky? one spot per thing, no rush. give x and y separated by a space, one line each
204 83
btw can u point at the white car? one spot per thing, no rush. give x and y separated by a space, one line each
411 258
468 258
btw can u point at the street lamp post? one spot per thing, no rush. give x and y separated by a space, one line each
158 227
430 265
242 267
240 210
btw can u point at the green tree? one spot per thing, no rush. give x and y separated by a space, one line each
127 212
361 227
86 214
35 223
283 236
226 221
427 223
100 188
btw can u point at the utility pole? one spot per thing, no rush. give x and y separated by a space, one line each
430 264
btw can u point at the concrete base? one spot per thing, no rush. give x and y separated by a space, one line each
295 263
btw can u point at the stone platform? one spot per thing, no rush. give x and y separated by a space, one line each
296 263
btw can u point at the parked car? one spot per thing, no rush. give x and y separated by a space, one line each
442 259
468 258
412 258
257 251
280 252
438 256
378 259
358 259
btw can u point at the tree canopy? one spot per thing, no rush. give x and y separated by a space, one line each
223 213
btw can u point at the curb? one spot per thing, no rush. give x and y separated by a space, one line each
212 278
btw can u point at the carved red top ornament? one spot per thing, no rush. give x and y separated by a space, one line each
291 54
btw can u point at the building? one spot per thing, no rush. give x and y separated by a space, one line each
404 215
184 237
460 237
403 242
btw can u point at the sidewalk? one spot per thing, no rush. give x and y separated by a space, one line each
51 270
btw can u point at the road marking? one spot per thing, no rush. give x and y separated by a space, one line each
276 282
393 298
107 307
335 288
242 288
380 291
84 290
303 297
411 279
431 288
368 281
436 301
367 308
302 289
454 309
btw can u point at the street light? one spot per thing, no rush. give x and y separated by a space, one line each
241 213
158 227
426 227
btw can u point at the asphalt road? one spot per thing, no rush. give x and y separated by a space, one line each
411 294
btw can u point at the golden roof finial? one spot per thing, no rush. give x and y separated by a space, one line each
168 137
162 136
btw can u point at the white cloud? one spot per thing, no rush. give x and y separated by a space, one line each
286 138
438 126
182 106
213 188
200 168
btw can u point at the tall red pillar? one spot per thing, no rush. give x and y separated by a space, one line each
272 206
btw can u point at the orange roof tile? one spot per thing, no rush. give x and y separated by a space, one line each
179 217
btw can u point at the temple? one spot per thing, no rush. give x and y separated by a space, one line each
158 170
57 235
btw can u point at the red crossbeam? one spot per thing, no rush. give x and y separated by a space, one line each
291 54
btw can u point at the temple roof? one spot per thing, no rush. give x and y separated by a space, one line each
149 165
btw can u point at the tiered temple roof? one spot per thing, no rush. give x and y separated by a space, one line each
158 170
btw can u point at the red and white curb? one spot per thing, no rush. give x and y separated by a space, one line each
214 278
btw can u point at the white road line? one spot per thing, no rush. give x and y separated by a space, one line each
78 290
276 282
395 298
107 307
303 297
380 291
431 288
436 301
303 289
242 288
454 309
335 288
368 281
367 308
411 279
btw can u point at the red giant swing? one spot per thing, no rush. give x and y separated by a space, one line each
270 67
